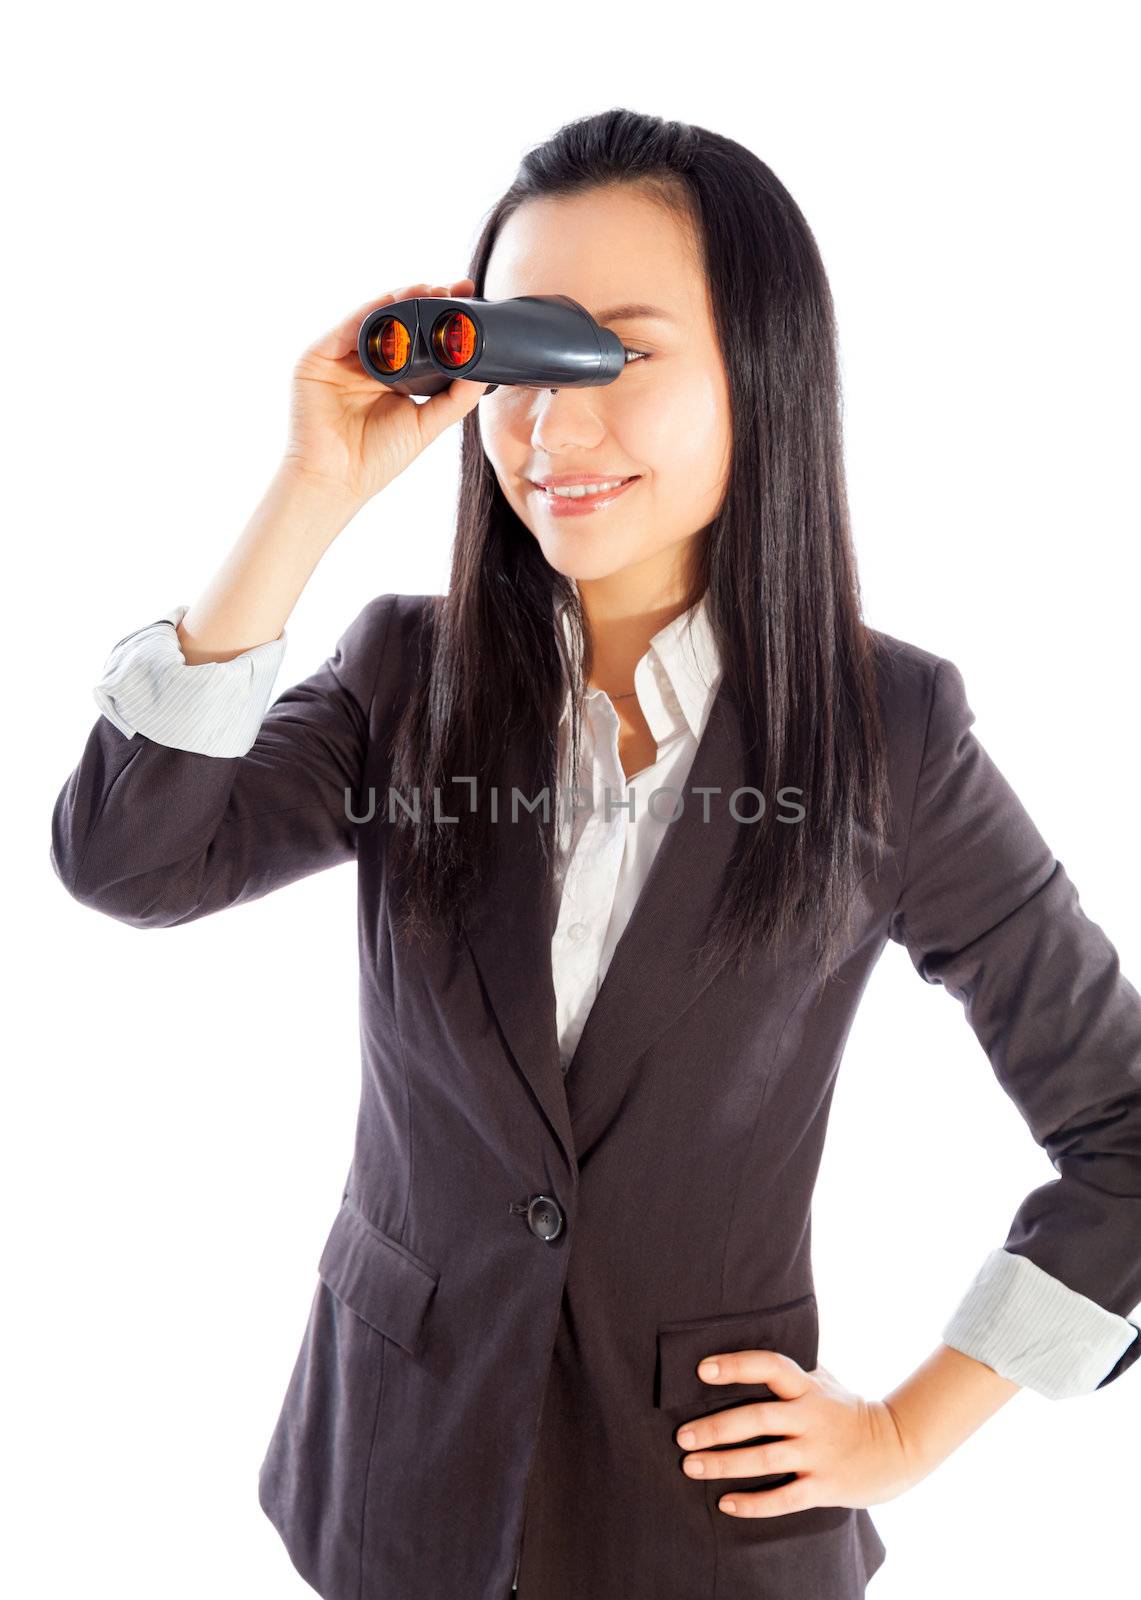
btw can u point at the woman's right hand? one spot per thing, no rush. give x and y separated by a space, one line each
350 433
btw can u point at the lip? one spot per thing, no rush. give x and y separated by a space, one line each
584 504
567 480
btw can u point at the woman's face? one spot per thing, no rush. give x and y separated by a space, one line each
666 418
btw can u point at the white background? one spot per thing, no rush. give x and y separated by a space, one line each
192 197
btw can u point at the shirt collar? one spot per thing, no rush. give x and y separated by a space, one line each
677 677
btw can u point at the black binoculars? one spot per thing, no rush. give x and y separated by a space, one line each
539 341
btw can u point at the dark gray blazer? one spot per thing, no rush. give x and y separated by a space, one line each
526 1268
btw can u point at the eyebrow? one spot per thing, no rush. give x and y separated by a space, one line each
628 313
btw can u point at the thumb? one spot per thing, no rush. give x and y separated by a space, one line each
449 405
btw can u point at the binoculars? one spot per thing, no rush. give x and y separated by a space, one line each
540 341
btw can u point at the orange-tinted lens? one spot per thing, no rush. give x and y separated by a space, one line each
454 339
389 345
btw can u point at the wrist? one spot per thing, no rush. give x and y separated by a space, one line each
943 1402
327 502
915 1448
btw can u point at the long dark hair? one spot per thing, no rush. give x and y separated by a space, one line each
776 565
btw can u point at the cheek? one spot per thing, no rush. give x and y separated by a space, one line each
678 428
490 431
504 431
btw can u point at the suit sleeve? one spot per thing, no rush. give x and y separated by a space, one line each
989 912
155 835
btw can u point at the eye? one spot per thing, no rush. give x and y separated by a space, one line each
635 355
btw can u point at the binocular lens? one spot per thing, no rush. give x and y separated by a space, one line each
389 345
453 339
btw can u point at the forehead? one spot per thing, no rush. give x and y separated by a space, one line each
604 248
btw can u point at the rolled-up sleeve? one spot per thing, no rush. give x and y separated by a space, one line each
989 912
155 834
214 708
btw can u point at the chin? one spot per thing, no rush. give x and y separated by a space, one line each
582 563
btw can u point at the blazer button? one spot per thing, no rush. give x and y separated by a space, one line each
545 1216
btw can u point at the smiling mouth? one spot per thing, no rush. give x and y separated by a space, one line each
585 491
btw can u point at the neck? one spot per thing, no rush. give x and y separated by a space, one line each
621 618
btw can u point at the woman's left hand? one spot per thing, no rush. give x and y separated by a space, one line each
847 1451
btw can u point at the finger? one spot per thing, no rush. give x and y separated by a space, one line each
447 406
783 1375
798 1496
782 1417
453 291
753 1461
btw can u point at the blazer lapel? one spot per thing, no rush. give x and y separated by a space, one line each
652 976
509 932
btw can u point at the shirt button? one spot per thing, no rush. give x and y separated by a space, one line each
578 931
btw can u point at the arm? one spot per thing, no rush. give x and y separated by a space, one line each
183 680
942 1404
190 796
154 835
987 911
250 597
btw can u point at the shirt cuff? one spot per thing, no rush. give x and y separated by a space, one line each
1035 1330
215 708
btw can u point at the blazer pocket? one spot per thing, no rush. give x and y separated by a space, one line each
380 1280
791 1328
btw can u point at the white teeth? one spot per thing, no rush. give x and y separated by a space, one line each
575 491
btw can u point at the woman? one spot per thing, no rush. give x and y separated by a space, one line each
599 1042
